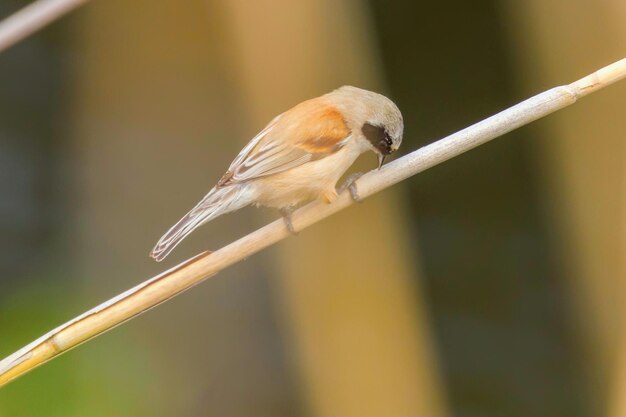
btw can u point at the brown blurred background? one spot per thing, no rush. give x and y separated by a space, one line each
491 285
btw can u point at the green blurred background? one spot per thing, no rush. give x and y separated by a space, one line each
491 285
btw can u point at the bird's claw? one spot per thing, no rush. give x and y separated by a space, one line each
286 213
350 184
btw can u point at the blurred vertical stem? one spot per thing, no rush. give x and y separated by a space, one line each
581 177
351 306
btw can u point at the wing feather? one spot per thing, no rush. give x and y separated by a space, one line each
310 131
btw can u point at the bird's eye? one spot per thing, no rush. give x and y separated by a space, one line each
386 143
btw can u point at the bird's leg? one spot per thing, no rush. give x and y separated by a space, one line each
286 213
350 184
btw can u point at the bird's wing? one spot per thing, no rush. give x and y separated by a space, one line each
310 131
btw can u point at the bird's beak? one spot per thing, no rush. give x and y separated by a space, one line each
381 159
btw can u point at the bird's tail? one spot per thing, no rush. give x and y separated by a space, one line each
217 202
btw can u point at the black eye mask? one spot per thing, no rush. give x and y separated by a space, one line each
378 137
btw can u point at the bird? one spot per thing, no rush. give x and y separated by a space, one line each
298 157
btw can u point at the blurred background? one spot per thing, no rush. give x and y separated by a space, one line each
491 285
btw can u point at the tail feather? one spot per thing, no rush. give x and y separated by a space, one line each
217 202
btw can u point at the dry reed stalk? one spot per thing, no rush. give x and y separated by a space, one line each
31 18
195 270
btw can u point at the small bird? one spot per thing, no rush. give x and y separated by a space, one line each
298 157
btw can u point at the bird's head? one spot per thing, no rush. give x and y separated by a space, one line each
378 119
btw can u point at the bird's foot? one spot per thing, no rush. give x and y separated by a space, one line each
350 184
286 213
